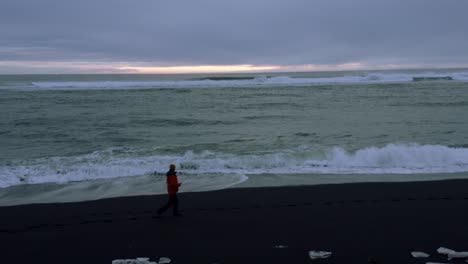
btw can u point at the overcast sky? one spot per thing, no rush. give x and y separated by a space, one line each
123 35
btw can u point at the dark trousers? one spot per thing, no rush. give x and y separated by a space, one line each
174 202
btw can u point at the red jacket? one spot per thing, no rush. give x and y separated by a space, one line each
172 182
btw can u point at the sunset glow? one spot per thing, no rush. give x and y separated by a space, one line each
199 69
240 68
86 67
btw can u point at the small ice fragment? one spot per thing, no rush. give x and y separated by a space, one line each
456 254
121 261
133 261
446 251
418 254
280 246
164 260
452 253
314 254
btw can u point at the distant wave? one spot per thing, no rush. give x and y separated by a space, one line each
225 78
390 159
228 81
432 78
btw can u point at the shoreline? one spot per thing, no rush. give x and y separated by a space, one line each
98 189
356 222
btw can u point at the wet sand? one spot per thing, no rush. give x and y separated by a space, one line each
358 223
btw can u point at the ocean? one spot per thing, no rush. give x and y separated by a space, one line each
83 137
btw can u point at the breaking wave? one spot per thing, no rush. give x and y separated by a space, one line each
368 78
390 159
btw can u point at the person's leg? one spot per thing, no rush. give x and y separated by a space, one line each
166 206
175 203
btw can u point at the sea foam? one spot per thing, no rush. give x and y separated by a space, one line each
389 159
259 81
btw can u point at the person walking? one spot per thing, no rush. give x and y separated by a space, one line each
172 188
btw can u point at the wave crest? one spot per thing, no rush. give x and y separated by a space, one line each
390 159
261 80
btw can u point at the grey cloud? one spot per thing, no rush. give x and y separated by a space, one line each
235 32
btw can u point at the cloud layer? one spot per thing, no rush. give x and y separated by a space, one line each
160 33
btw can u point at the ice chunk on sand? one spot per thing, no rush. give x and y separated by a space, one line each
446 251
419 254
164 260
133 261
280 246
462 254
452 253
314 254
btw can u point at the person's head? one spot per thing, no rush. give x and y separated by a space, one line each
172 167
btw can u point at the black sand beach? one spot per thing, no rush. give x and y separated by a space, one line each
358 223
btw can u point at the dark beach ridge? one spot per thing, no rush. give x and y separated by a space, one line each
358 223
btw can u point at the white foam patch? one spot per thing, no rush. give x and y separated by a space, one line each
399 158
375 77
419 254
315 254
390 159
